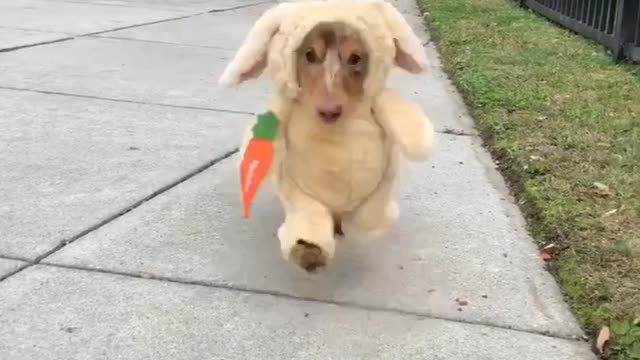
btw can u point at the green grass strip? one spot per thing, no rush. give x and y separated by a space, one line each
564 120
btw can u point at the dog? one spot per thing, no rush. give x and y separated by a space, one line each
341 131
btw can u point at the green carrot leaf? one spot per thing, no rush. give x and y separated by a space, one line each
266 127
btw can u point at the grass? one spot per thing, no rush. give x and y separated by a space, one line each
564 121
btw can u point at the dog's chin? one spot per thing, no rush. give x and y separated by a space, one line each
329 121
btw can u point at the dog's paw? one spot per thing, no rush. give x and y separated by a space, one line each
308 256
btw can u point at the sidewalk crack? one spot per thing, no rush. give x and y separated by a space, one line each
123 211
126 101
284 295
91 34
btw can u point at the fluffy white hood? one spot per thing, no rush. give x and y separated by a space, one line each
272 42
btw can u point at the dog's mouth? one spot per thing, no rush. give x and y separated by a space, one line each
330 114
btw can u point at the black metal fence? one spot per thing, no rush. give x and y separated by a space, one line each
613 23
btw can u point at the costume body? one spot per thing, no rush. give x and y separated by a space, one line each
342 172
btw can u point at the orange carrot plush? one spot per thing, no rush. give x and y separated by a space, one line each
258 156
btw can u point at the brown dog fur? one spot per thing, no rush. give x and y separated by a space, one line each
332 64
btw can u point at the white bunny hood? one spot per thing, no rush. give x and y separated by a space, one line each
272 42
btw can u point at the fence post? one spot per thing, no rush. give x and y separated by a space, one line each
625 30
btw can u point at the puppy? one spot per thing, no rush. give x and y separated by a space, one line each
341 131
338 156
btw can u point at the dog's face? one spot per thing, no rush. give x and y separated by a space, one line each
332 64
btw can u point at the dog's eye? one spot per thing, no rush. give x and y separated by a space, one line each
354 59
311 56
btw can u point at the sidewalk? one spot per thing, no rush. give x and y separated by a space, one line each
121 235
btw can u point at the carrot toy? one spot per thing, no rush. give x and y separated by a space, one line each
258 156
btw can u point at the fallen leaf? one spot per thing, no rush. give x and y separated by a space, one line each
602 343
546 257
462 302
535 157
610 212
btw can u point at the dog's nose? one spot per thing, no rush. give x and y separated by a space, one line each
330 113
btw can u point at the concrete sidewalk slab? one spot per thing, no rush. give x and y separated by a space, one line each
77 17
136 71
7 266
201 30
184 76
12 38
433 90
201 5
435 94
115 317
451 240
68 163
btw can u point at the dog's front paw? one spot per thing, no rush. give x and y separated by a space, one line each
308 256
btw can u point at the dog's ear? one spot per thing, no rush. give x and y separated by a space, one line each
251 59
410 54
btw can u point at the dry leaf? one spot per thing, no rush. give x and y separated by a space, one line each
535 157
546 253
610 212
602 343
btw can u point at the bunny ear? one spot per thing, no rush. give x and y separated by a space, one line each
251 59
410 54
